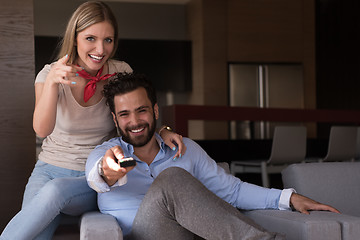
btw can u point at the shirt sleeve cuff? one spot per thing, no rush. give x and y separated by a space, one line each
95 181
284 201
120 182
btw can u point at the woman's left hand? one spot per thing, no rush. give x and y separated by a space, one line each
170 138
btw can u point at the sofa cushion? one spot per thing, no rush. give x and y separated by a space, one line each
333 183
319 225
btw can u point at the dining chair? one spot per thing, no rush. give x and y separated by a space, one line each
342 144
288 146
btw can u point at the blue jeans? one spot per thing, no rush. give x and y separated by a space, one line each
49 192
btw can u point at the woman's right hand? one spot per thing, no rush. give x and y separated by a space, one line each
62 72
46 95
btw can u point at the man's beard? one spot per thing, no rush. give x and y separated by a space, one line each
138 141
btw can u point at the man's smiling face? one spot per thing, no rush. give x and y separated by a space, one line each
135 117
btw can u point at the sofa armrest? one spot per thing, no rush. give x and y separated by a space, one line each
332 183
319 225
95 225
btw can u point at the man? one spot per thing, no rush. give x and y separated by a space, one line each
163 198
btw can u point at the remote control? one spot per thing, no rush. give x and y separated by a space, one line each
127 162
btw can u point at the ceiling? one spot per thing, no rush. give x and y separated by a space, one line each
179 2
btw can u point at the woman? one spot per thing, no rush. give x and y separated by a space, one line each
70 113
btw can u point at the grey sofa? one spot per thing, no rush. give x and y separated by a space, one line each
95 225
334 183
337 184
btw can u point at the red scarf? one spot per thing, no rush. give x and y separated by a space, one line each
90 87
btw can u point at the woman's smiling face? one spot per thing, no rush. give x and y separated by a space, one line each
94 46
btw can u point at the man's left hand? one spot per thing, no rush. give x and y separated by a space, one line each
304 204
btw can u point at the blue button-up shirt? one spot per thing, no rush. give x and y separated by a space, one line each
123 201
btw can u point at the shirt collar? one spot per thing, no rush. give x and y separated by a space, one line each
160 142
130 148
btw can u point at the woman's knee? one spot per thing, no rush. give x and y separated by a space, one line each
69 187
54 190
61 192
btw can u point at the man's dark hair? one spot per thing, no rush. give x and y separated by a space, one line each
127 82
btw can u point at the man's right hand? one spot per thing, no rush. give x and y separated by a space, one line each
112 170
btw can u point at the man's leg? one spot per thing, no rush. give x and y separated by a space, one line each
177 206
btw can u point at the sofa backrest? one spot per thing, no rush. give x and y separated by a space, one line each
225 166
333 183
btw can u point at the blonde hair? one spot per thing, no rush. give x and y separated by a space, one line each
87 14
